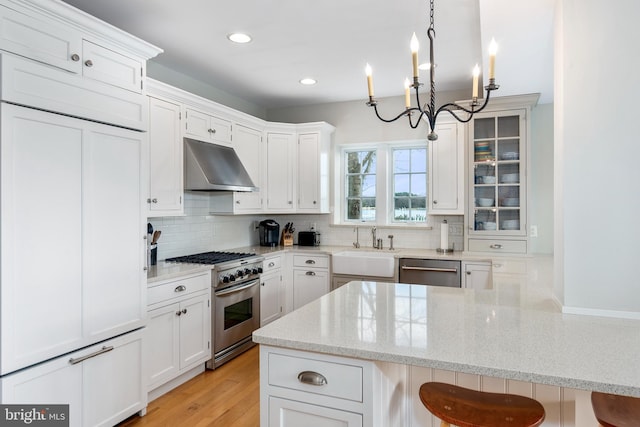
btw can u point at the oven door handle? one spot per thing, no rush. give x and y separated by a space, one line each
234 290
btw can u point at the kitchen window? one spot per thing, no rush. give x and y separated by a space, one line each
384 183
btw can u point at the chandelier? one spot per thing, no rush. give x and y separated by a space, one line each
428 111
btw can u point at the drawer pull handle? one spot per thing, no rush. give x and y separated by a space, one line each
310 273
312 378
496 246
180 288
104 349
310 261
271 264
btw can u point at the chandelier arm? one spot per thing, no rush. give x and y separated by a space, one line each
406 112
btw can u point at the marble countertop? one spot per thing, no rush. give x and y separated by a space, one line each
512 332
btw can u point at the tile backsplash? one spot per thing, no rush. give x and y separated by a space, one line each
200 231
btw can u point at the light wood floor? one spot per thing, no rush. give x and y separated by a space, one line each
228 396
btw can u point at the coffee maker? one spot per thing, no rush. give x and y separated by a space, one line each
269 233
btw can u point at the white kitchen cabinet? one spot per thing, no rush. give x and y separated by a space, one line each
179 328
310 278
446 170
247 142
208 128
49 41
291 413
90 286
476 275
347 396
166 188
280 172
271 291
497 185
314 142
102 384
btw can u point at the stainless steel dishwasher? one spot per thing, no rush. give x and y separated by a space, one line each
433 272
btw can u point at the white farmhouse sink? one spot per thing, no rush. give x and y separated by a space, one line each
364 263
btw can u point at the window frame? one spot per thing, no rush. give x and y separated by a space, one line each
384 183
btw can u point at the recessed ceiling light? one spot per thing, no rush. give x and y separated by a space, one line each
308 81
239 37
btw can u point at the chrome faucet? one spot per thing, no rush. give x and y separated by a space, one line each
373 235
356 244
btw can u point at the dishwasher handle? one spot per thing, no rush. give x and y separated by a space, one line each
437 269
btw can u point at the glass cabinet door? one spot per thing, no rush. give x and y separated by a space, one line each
498 169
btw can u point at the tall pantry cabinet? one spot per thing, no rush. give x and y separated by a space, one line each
72 204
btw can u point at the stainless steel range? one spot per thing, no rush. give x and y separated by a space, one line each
235 312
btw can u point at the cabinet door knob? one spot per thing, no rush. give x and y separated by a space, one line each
290 202
184 311
154 200
312 378
212 131
435 202
178 313
314 202
88 63
469 273
75 57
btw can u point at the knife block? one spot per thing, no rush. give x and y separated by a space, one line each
286 239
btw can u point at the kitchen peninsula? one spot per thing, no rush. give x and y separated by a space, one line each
372 344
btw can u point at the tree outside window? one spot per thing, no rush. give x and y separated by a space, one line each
361 185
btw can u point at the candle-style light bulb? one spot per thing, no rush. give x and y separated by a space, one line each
407 97
476 73
415 46
493 49
369 74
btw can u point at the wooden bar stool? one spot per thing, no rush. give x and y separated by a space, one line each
463 407
612 410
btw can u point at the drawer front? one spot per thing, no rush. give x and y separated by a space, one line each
178 288
310 261
342 381
498 246
271 264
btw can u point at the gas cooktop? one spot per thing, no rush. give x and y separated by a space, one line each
212 257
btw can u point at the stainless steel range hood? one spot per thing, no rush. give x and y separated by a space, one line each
211 167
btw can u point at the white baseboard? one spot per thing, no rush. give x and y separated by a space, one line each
603 313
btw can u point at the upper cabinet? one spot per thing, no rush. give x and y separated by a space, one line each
93 71
497 186
446 170
207 128
288 163
281 171
165 159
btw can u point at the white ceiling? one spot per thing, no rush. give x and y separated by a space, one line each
332 40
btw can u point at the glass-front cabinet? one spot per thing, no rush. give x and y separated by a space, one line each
498 159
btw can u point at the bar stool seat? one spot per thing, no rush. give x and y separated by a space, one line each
612 410
463 407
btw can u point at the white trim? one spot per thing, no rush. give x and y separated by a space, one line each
602 313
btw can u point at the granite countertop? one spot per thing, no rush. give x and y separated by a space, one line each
507 333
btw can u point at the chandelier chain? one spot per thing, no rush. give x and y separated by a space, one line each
431 16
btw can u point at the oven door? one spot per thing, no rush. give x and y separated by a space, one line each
236 314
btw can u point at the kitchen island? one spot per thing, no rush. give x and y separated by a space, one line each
397 336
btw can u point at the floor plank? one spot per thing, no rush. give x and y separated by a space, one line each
228 396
